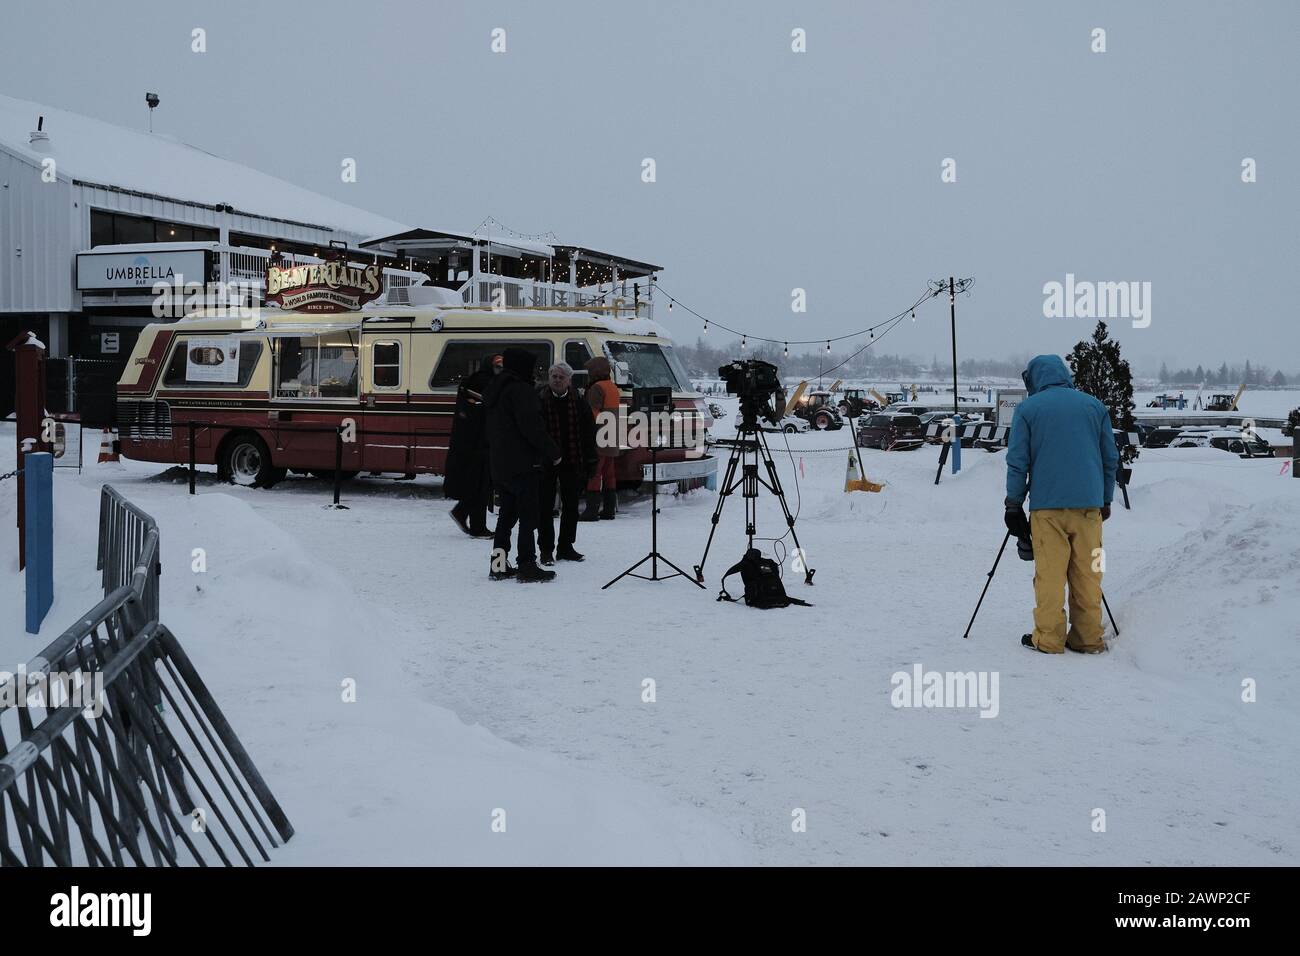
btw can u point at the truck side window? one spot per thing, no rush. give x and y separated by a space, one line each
175 376
459 359
386 364
576 354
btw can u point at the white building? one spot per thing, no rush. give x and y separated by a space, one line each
92 214
69 183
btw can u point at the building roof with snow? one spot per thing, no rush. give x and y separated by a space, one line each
93 152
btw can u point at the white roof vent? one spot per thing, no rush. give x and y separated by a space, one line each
425 295
39 135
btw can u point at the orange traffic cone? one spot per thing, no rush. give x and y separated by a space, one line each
107 451
853 480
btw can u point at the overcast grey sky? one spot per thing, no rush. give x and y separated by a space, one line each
775 169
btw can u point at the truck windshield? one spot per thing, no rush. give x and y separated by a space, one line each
650 364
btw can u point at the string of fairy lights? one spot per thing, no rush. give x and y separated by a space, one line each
500 227
887 325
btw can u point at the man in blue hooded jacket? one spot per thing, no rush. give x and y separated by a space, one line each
1062 454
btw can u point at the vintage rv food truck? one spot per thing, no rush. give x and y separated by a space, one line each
268 391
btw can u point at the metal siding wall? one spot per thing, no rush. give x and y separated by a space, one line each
34 218
51 221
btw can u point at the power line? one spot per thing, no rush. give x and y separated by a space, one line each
869 330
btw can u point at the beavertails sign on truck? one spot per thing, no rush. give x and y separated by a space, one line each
331 286
269 393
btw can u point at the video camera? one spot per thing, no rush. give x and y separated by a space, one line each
759 387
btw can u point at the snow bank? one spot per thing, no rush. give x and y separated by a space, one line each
757 713
391 778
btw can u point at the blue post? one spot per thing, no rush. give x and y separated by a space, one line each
956 444
38 489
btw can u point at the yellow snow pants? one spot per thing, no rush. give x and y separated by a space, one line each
1067 549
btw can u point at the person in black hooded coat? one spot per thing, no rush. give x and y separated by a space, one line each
518 444
468 478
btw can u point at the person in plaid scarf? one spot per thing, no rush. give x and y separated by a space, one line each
571 427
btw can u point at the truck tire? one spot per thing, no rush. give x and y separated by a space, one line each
245 460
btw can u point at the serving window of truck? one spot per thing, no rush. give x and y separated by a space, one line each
312 367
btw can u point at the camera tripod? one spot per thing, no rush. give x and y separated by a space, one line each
748 450
654 557
1005 539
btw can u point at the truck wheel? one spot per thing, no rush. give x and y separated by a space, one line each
790 429
245 460
822 421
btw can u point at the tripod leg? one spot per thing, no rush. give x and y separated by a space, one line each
1005 539
943 460
1113 625
780 496
627 572
724 491
679 571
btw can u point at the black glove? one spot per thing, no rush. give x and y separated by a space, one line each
1105 512
1016 521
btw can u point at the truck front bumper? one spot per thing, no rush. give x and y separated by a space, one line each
690 469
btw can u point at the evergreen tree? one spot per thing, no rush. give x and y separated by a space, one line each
1098 370
1200 374
1164 374
1222 377
1279 379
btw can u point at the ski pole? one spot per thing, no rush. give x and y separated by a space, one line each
988 582
1109 614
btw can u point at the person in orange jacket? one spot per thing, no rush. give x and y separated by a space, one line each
602 489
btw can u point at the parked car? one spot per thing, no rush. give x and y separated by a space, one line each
1161 435
910 408
1225 439
891 432
789 424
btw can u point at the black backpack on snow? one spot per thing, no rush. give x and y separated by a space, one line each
762 580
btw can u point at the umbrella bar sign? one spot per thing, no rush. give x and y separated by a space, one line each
323 287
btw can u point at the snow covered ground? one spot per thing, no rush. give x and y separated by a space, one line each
474 695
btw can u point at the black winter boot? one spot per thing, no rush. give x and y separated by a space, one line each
591 509
531 573
459 516
609 505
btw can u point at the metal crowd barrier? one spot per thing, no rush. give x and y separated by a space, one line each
120 754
